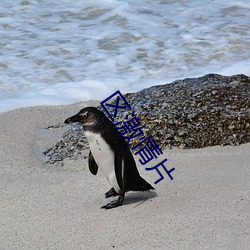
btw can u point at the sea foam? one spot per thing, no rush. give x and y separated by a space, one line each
63 52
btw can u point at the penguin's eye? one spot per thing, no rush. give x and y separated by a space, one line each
84 115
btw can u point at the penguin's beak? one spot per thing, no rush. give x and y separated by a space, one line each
74 118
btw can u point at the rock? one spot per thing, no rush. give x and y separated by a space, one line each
190 113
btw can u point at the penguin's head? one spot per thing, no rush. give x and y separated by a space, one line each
88 117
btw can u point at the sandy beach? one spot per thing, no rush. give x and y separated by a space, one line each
42 206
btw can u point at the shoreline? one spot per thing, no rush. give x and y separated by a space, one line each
206 205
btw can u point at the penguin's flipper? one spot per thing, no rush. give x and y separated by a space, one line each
118 166
111 193
92 164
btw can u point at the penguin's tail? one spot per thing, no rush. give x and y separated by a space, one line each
141 185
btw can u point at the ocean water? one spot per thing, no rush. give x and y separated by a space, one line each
61 52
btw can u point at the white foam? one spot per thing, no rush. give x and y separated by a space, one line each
242 67
63 52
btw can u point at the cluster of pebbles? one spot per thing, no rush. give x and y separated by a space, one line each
71 146
190 113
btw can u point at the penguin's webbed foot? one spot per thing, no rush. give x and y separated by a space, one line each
113 204
111 193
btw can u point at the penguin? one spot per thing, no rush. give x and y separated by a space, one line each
109 152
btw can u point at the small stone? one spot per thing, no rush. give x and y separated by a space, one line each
182 132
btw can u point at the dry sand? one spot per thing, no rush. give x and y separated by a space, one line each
205 206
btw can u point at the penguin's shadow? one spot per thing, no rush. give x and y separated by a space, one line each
139 198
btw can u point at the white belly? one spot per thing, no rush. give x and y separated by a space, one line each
104 157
